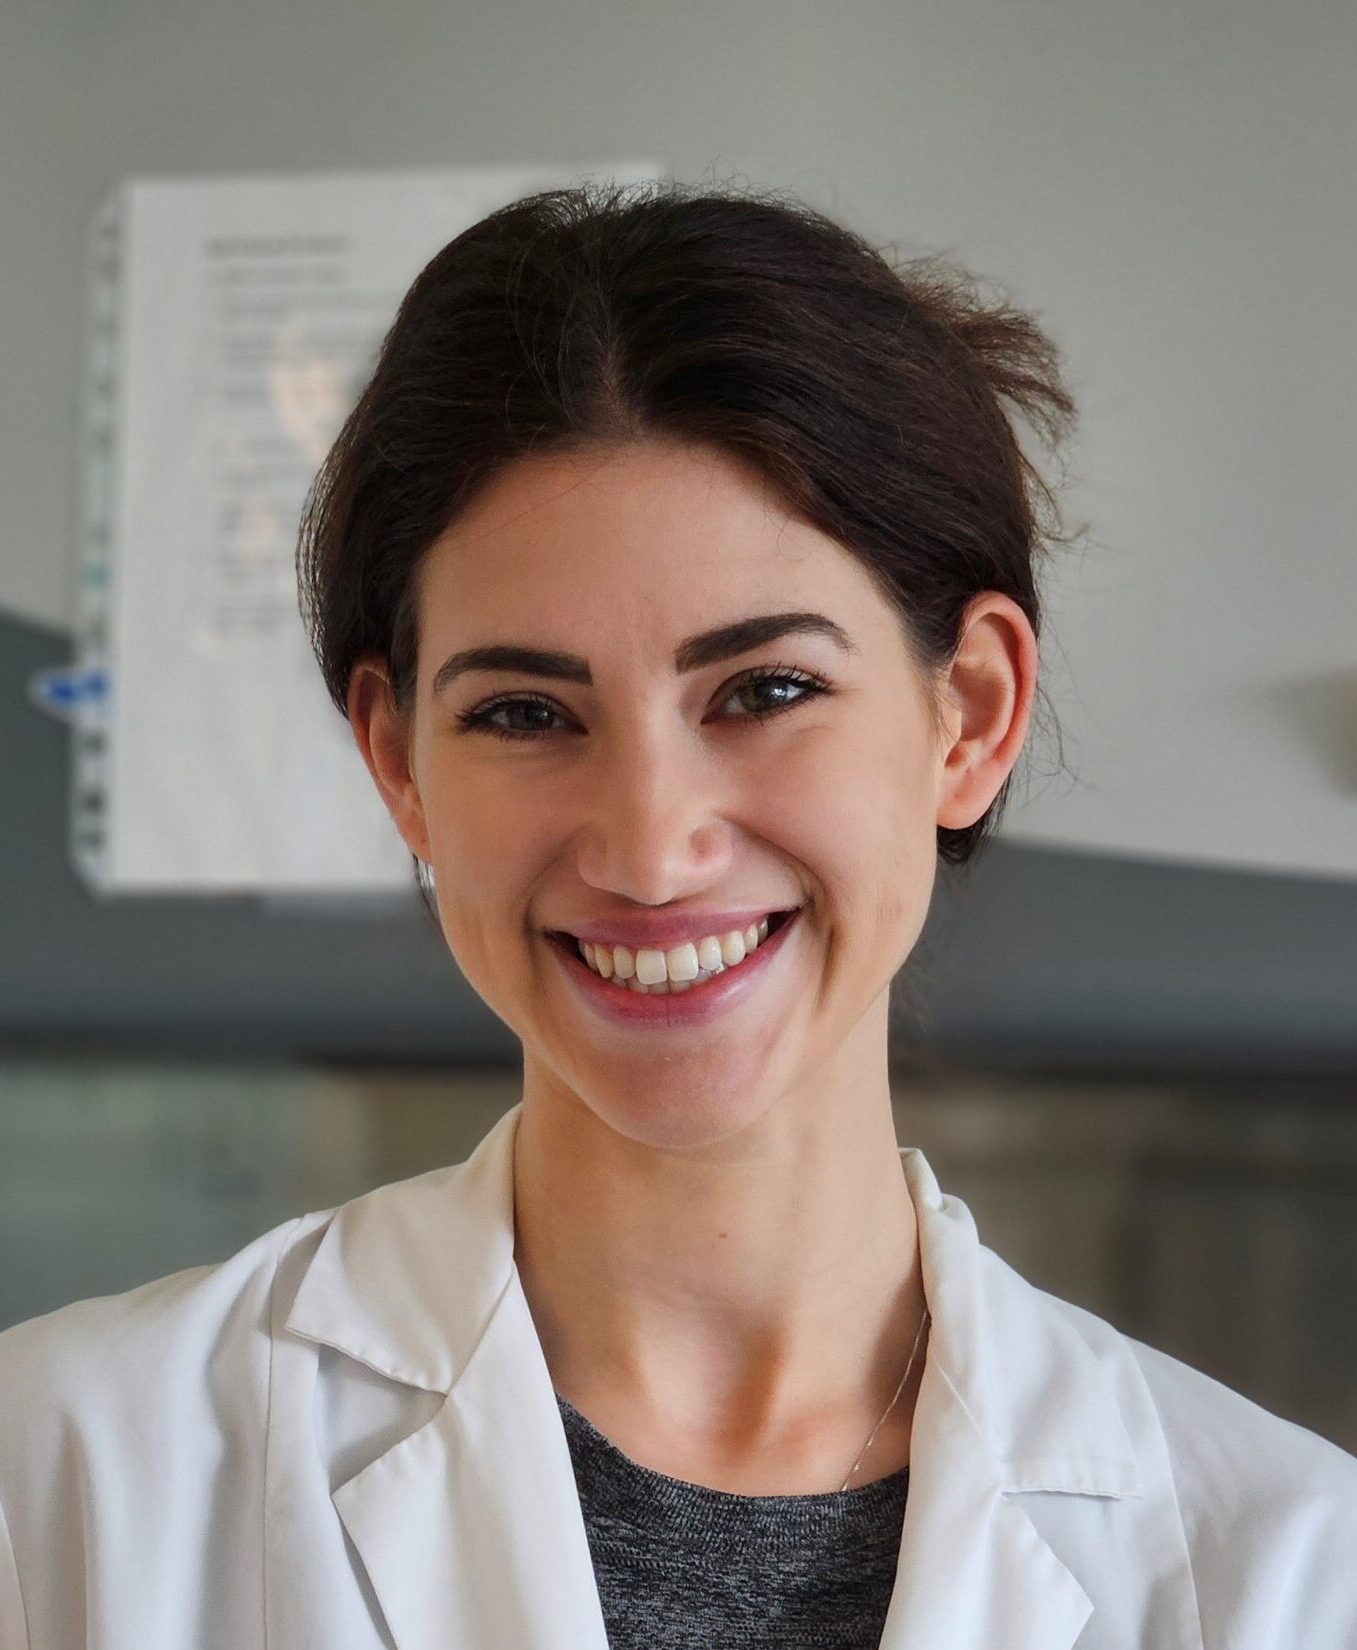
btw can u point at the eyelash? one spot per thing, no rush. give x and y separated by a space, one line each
479 718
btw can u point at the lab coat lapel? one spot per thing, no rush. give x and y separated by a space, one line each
1010 1400
973 1572
470 1529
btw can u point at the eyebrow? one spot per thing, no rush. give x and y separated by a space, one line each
709 647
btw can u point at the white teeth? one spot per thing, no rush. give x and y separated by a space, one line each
679 968
680 963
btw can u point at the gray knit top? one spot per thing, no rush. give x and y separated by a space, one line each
683 1567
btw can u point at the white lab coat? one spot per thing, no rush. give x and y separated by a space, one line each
346 1436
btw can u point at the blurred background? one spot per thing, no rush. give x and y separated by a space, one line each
1132 1047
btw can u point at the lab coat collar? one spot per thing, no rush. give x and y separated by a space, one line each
470 1528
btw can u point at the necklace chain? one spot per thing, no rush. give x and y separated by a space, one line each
890 1406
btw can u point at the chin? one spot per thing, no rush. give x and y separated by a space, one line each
679 1119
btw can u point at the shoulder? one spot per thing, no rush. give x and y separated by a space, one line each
1216 1434
1236 1463
176 1340
1268 1508
1216 1437
126 1421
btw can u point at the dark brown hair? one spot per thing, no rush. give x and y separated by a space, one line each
869 391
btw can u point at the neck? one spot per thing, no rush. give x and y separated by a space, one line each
743 1311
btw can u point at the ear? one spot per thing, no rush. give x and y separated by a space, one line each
989 690
383 737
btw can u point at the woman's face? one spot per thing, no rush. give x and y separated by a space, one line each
653 789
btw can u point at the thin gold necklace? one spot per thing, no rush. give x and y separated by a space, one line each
890 1406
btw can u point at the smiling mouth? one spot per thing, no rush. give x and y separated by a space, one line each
573 948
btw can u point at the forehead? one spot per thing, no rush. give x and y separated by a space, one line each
635 532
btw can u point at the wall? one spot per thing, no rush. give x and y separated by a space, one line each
1161 185
1165 185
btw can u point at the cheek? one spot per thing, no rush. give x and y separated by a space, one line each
479 829
860 815
485 851
864 794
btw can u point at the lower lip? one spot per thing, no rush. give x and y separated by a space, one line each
694 1007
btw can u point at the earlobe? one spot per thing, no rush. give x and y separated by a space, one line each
383 739
964 797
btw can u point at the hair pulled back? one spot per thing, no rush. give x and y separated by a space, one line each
869 391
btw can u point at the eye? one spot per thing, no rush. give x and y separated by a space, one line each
539 710
780 677
479 718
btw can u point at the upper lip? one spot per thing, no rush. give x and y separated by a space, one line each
655 930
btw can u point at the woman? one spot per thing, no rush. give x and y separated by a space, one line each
676 574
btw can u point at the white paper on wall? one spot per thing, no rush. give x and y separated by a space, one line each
233 322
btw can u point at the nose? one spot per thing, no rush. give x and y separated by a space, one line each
655 825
